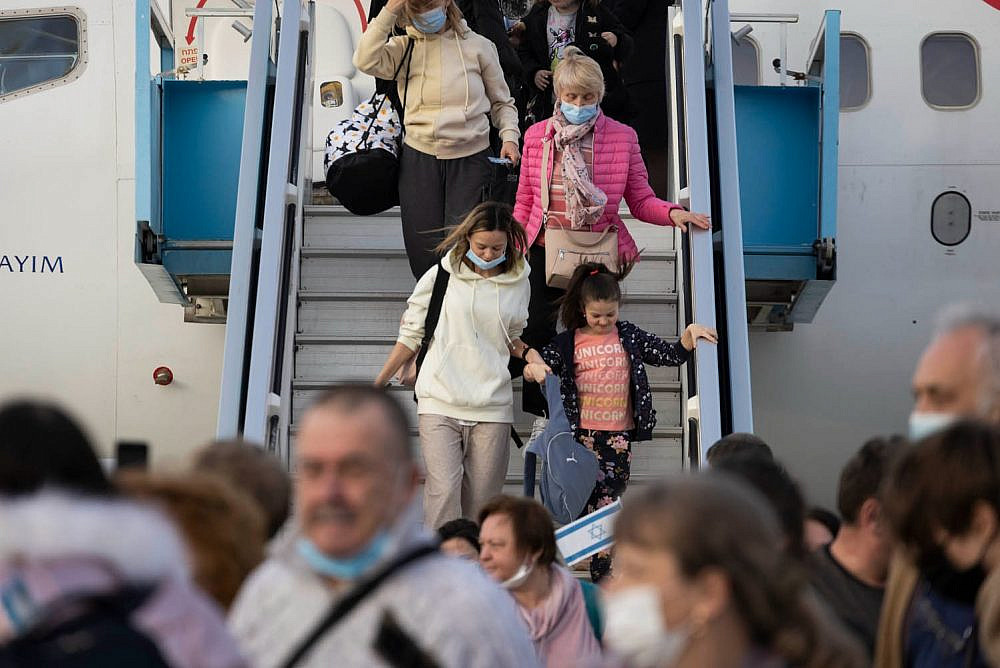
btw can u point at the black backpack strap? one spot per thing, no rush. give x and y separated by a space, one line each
433 313
349 602
407 55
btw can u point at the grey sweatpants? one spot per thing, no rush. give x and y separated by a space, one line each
433 195
466 465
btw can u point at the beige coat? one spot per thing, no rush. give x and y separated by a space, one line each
455 81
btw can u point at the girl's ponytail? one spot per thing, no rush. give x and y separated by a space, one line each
592 281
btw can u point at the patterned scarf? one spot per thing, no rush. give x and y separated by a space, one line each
584 201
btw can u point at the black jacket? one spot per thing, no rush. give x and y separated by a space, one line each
641 347
647 21
591 20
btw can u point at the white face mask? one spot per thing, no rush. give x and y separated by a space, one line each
923 424
519 577
634 629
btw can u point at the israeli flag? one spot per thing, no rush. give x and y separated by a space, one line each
588 535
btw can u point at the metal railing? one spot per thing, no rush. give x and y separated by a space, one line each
256 385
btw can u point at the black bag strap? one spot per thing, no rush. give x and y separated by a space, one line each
349 602
407 56
433 313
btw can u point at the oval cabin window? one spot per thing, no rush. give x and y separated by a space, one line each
855 72
951 218
746 62
949 70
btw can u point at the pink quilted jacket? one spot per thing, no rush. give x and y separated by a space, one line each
618 170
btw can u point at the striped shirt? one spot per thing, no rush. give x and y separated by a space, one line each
557 188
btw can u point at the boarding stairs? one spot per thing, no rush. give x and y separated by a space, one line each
354 280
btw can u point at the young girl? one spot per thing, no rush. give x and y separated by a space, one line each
601 362
465 403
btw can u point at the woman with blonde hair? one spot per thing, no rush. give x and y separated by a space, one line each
451 81
465 403
591 162
701 580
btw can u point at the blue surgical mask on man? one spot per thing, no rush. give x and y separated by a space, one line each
350 568
431 21
578 115
483 264
924 424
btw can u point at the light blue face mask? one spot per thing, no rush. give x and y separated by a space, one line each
578 115
923 424
483 264
343 569
431 21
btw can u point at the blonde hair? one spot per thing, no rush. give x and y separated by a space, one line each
414 8
580 72
486 217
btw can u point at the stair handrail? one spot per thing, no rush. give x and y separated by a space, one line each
242 292
703 380
267 402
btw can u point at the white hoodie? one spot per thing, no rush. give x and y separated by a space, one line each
464 375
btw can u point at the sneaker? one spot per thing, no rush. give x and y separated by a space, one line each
537 427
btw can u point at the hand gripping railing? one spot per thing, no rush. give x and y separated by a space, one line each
256 387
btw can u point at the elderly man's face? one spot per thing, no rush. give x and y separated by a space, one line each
951 377
349 485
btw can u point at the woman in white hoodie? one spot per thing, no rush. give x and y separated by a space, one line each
465 402
453 80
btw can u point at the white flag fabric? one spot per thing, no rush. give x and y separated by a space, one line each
588 535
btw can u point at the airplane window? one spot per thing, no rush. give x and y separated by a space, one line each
37 49
746 63
949 68
951 218
855 73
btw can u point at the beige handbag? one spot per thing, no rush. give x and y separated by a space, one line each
566 249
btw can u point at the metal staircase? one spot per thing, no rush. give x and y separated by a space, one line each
354 280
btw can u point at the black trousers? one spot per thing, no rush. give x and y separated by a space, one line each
541 327
436 194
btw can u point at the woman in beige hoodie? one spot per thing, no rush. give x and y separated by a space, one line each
451 82
465 403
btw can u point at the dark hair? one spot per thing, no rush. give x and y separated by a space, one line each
591 282
711 521
771 479
462 528
738 443
532 525
351 397
486 217
936 485
863 473
827 518
251 469
41 445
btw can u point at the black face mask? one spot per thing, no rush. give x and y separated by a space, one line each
960 586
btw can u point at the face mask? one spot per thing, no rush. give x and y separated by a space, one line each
431 21
520 577
578 115
634 628
923 424
483 264
343 569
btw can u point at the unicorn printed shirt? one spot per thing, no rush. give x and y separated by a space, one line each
603 375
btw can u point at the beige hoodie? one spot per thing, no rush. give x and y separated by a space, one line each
455 80
464 375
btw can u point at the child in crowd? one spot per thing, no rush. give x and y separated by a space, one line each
600 362
553 25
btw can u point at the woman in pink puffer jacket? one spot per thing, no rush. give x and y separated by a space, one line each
593 162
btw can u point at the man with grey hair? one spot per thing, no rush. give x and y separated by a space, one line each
959 372
928 613
356 580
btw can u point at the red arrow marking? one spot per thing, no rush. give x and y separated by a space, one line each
364 19
194 19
